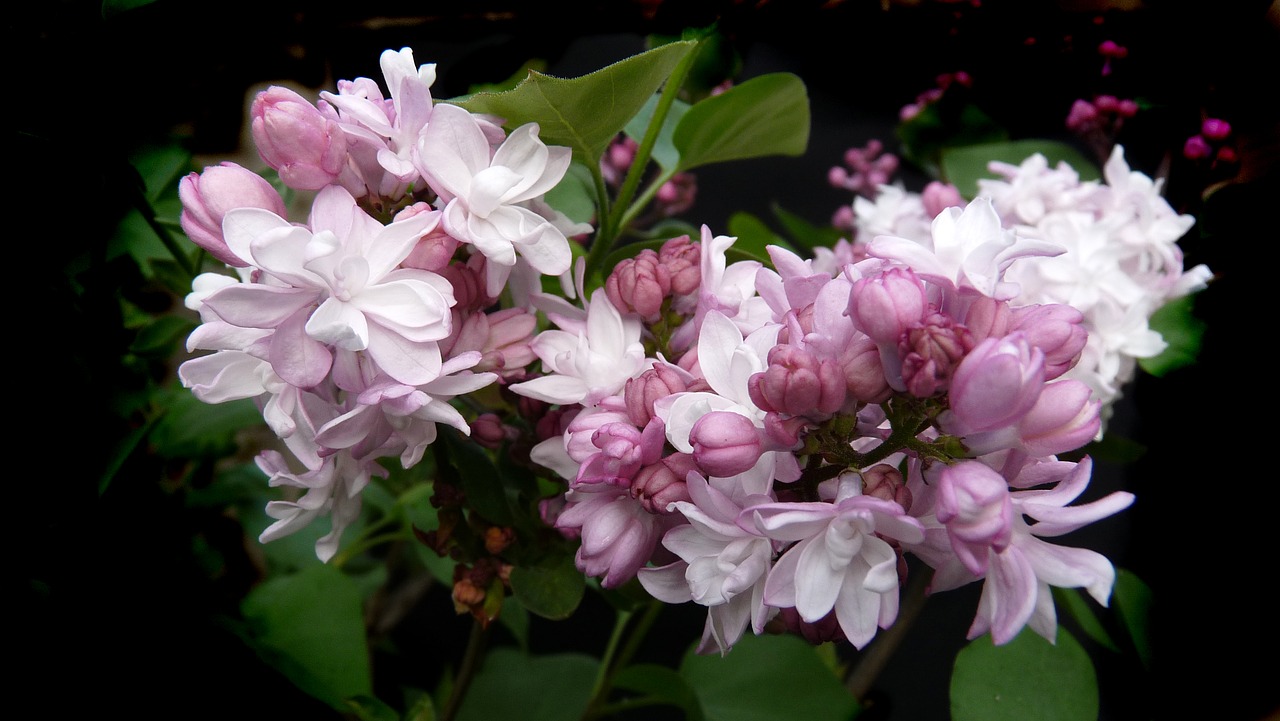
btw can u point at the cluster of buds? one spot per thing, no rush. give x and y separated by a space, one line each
355 329
1211 144
806 425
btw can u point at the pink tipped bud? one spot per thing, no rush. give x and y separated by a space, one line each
1196 148
307 149
1064 418
1106 103
1127 108
997 383
434 250
938 196
641 392
487 430
207 197
725 443
682 258
974 503
660 484
885 482
639 285
798 383
1057 330
1083 114
864 371
1109 49
1215 129
884 306
930 352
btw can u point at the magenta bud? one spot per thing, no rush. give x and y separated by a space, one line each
930 352
1082 115
1196 148
1127 108
1109 49
725 443
208 196
488 431
1215 129
1227 154
885 482
1106 103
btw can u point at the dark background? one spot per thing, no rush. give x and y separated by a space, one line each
118 618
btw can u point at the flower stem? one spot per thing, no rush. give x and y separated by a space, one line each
618 655
863 675
477 641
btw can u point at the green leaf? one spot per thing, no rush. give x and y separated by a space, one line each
1027 679
587 112
766 115
963 166
478 476
767 678
552 590
160 167
753 238
513 685
310 626
664 151
1182 330
192 428
162 336
662 684
1132 599
1073 601
574 195
950 123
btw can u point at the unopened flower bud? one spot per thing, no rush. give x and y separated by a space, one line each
885 305
974 504
496 539
1057 330
725 443
885 482
208 196
937 196
660 484
307 149
683 260
487 430
1215 129
640 393
1196 148
798 383
1064 418
639 285
930 352
1082 116
997 383
434 250
864 371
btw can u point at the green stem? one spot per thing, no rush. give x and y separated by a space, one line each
644 151
604 237
643 200
149 215
863 675
476 643
363 545
618 655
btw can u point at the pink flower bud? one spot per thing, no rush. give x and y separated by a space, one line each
640 393
1064 418
885 305
208 196
725 443
660 484
487 430
1057 330
974 503
987 317
639 285
997 383
1127 108
1196 148
1082 115
434 250
930 352
1106 103
824 630
1215 129
307 149
683 260
864 372
1227 154
938 196
798 383
1109 49
885 482
618 458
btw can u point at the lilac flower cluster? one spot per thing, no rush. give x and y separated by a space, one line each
766 440
792 431
355 329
